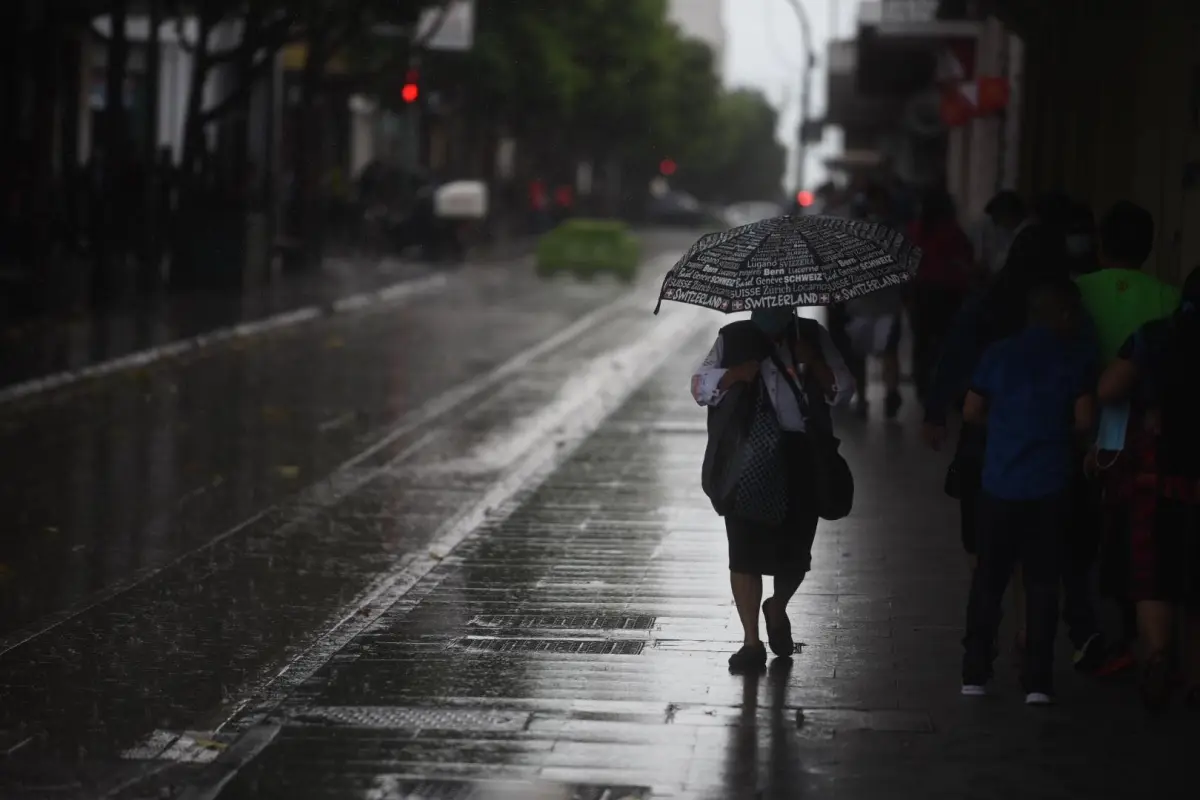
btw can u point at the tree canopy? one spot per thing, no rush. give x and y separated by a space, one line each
614 78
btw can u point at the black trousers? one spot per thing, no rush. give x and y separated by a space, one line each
1081 544
1032 533
1082 548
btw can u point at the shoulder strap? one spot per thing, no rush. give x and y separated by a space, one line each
811 330
801 397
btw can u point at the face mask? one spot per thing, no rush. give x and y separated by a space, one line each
1114 422
772 321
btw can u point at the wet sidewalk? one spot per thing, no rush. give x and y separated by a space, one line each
573 645
181 535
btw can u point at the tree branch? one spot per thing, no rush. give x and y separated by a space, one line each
249 79
269 37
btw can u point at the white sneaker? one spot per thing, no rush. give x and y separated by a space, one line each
973 690
1038 699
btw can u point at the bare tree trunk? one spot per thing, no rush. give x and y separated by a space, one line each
239 125
310 154
46 92
114 151
153 216
193 133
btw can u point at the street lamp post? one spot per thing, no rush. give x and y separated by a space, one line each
810 61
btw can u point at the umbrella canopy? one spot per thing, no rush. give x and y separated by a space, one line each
790 261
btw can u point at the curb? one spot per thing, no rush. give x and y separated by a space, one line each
286 319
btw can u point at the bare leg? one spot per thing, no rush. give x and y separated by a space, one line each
1155 621
1191 652
1154 626
747 595
785 589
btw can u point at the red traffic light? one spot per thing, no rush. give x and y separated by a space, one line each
411 90
804 198
667 167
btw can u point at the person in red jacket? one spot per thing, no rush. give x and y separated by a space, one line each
942 282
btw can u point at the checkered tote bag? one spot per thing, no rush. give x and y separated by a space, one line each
762 489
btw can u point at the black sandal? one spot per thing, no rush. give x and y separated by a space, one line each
751 658
780 635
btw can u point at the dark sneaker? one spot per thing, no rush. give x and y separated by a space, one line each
779 629
1092 655
1039 699
751 658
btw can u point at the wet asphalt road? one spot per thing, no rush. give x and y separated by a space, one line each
501 569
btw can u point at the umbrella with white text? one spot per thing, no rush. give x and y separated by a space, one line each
790 261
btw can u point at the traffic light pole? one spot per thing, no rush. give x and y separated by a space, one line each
810 61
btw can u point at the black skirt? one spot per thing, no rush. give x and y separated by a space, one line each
785 550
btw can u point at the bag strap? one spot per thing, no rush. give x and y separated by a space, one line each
801 396
802 399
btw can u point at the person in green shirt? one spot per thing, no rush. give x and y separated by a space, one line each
1119 297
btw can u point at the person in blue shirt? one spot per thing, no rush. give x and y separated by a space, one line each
1034 393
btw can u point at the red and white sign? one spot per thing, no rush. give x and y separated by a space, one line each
967 100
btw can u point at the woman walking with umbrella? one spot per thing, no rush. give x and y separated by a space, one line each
745 353
772 468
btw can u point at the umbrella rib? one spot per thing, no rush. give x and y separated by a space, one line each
803 235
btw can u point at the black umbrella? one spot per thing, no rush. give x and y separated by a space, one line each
790 261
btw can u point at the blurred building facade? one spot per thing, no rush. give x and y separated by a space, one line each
703 20
1097 98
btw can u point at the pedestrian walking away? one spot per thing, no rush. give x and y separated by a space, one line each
1153 537
946 273
1120 299
771 351
1034 392
1035 257
1004 215
772 466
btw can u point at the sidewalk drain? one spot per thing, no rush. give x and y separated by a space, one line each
390 787
589 647
575 623
407 718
